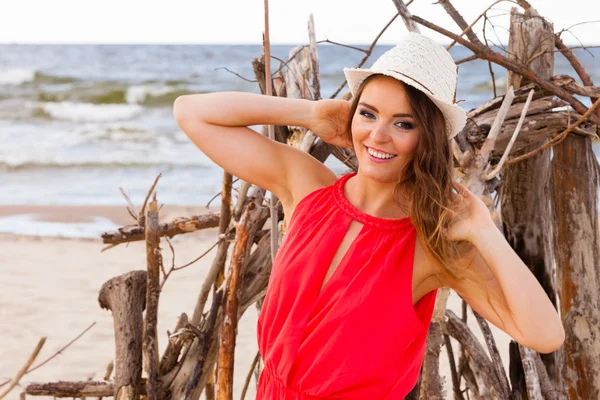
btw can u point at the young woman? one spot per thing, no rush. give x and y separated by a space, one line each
352 290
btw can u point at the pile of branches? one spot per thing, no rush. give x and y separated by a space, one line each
199 355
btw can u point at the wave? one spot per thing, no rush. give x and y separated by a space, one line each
86 112
20 76
145 95
8 166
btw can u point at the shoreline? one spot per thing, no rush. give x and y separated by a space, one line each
79 222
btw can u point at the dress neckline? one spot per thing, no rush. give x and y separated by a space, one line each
362 216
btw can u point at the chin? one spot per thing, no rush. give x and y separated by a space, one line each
383 174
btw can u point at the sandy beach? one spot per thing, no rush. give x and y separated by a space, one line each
50 287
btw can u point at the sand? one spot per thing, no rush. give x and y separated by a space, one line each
50 287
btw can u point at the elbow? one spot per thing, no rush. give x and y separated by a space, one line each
181 109
553 343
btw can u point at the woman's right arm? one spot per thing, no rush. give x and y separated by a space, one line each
218 124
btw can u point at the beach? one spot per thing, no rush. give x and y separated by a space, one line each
50 289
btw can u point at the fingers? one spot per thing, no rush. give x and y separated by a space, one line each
461 189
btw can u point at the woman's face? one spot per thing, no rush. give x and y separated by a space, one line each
384 131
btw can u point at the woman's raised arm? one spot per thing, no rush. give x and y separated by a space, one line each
218 124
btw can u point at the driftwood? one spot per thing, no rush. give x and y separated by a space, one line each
74 389
124 295
511 132
178 226
154 263
233 283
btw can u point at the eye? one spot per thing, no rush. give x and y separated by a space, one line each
405 125
366 114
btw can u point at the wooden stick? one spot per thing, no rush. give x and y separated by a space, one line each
154 261
178 226
23 370
488 54
532 382
270 129
557 139
249 376
233 283
73 389
494 355
498 167
124 295
405 15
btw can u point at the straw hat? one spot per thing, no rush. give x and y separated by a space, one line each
424 64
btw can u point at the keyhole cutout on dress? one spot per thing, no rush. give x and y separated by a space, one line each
353 230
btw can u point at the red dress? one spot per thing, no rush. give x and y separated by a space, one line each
361 337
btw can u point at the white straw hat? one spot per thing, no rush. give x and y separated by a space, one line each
424 64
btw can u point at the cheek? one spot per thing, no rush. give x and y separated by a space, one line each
407 144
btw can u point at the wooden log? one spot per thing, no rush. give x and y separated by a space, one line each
125 296
154 262
235 277
431 384
577 243
178 226
74 389
459 330
526 219
255 283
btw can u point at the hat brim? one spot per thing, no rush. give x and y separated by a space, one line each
455 116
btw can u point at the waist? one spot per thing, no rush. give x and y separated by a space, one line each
271 387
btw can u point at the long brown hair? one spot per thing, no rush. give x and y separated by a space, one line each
427 177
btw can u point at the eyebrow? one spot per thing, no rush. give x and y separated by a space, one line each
376 110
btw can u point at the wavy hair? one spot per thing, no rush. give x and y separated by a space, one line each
427 185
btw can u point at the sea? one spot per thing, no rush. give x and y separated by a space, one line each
79 121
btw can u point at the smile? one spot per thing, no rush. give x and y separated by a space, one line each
379 155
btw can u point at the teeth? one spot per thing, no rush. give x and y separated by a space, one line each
377 154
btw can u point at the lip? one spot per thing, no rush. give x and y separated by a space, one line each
379 160
381 151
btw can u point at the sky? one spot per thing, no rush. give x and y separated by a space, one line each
242 21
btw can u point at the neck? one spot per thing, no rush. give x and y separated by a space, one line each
374 197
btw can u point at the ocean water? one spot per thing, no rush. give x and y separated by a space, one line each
79 121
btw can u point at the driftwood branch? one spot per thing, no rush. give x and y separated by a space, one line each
125 295
154 263
74 389
15 381
178 226
486 53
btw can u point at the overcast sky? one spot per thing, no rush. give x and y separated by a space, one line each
242 21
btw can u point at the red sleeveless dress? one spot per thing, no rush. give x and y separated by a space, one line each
361 337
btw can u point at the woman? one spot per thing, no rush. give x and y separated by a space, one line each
352 290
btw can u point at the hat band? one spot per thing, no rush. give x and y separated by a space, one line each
410 77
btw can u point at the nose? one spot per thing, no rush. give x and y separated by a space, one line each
379 133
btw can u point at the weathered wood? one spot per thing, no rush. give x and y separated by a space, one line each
178 226
577 243
74 389
154 262
125 296
494 355
235 277
532 382
459 330
431 384
218 264
526 217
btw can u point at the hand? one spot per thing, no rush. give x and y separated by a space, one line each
470 215
329 119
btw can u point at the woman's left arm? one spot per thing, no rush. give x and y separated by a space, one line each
528 315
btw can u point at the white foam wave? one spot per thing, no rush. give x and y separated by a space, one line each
138 94
30 224
17 76
86 112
